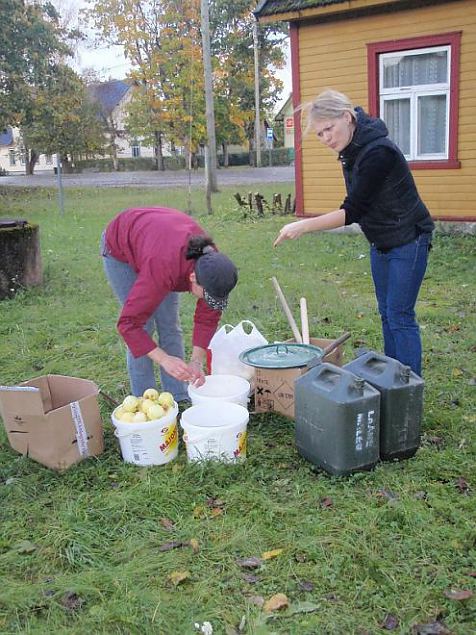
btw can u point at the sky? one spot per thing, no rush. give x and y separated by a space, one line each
109 62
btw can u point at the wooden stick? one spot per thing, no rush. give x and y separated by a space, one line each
287 311
304 321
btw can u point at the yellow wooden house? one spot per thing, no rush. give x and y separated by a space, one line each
411 62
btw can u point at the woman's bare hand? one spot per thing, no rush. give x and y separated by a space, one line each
291 231
177 368
197 376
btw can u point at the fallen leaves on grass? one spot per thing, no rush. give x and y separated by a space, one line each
173 544
257 600
387 495
25 546
195 545
177 577
250 578
274 553
249 563
215 502
306 585
458 594
71 601
276 603
326 502
462 485
167 523
390 622
432 628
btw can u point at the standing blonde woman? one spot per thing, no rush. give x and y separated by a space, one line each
383 199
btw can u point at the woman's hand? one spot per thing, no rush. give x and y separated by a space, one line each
331 220
291 231
196 372
177 368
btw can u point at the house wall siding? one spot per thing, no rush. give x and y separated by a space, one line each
334 55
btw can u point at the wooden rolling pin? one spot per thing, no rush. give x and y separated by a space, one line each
287 311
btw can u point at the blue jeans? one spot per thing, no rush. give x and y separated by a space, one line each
397 276
165 320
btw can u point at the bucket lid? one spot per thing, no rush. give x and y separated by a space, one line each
280 355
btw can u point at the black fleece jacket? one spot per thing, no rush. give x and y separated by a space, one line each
381 193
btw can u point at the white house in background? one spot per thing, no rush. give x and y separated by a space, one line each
12 154
112 98
285 117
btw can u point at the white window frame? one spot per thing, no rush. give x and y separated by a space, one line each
413 93
135 148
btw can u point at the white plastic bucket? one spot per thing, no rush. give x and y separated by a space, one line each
215 431
151 442
230 388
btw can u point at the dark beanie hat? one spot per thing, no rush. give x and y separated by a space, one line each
217 274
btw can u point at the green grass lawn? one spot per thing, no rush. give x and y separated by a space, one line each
90 550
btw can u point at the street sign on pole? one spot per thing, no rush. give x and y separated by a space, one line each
269 141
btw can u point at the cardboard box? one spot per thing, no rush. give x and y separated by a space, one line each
53 419
274 388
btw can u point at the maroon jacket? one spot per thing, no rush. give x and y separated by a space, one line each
153 241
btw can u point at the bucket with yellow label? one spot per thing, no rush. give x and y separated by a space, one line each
150 442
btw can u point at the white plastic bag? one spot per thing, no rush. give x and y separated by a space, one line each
226 346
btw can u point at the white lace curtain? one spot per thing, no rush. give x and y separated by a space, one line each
419 70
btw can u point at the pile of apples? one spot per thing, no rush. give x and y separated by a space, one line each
151 406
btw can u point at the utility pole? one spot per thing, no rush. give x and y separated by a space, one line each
257 98
211 150
59 174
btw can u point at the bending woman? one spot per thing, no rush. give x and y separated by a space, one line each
383 199
149 255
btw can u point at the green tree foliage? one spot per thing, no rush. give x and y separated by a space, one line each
39 93
162 40
31 41
63 120
232 48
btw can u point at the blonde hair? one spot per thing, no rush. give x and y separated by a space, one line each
330 104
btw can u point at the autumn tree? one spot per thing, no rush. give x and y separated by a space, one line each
232 27
63 120
162 42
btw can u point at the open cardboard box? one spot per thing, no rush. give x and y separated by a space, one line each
53 419
274 388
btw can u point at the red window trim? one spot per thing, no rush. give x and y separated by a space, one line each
444 39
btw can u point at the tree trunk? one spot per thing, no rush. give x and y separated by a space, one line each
20 258
115 160
66 164
158 152
251 154
226 158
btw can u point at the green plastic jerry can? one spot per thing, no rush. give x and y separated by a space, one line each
337 420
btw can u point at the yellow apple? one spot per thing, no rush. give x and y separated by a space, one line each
151 393
130 403
155 412
166 399
127 417
118 412
146 404
139 417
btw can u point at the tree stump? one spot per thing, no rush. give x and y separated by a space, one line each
20 256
